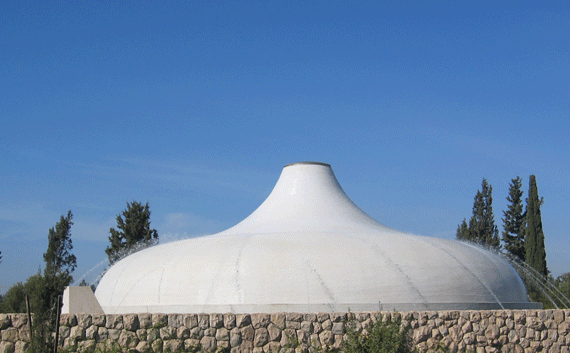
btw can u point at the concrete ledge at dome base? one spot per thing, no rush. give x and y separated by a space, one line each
314 308
80 300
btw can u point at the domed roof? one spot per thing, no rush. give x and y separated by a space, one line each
309 248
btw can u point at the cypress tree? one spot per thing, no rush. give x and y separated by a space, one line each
60 262
463 231
514 221
481 229
534 236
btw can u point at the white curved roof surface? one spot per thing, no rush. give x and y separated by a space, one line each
309 248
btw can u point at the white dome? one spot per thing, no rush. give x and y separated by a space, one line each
309 248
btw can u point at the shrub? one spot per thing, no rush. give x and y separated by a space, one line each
390 336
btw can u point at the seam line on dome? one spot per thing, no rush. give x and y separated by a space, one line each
473 274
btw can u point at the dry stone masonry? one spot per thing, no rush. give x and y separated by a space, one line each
468 331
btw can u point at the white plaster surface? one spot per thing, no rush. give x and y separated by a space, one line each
309 248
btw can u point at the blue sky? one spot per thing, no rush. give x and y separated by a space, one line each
195 107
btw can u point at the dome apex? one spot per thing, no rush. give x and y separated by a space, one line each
307 163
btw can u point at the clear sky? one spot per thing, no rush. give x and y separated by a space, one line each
195 107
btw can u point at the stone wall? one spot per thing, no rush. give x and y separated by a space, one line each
476 331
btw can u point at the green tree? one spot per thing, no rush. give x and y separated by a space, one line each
60 262
534 236
44 291
463 231
481 229
14 300
133 232
514 221
563 284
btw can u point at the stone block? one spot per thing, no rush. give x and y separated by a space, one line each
492 332
235 337
173 345
19 320
167 333
113 334
157 345
307 326
513 337
210 332
558 316
196 333
326 338
98 319
550 324
261 337
128 339
143 347
142 334
327 325
183 332
293 324
5 321
208 343
159 320
302 337
216 320
321 317
289 338
278 319
338 328
24 333
317 327
247 333
229 321
272 347
564 328
274 333
102 334
64 331
520 317
77 333
131 322
191 344
91 332
203 321
246 346
223 345
68 320
86 346
175 320
21 347
152 334
84 320
222 334
338 317
242 320
10 335
421 334
191 321
7 347
114 322
468 338
297 317
145 321
260 321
